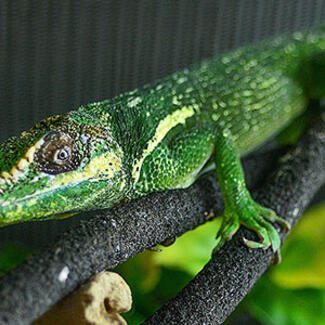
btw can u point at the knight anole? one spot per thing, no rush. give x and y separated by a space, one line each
161 136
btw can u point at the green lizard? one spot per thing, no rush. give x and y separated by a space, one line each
162 136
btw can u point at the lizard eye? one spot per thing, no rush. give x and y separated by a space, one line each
58 154
61 155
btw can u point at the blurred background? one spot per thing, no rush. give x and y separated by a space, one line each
58 55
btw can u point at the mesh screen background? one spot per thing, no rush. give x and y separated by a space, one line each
57 55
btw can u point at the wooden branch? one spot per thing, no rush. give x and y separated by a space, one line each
98 302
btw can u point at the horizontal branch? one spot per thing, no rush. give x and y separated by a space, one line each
112 236
226 279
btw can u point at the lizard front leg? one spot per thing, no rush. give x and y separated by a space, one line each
240 208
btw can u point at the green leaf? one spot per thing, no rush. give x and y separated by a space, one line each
142 274
151 285
192 250
304 254
11 256
274 305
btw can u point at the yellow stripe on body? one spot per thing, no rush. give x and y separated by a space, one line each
169 122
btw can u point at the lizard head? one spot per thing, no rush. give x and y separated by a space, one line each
60 166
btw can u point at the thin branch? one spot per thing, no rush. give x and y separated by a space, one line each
216 291
113 236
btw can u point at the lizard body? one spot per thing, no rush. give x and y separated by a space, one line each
160 137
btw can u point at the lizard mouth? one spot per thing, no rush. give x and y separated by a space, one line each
23 199
33 207
15 209
46 198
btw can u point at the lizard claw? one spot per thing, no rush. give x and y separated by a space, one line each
255 217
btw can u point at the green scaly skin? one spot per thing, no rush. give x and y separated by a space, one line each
160 137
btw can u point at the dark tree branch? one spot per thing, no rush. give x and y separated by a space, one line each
113 236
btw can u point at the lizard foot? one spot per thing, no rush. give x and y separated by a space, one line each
253 216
